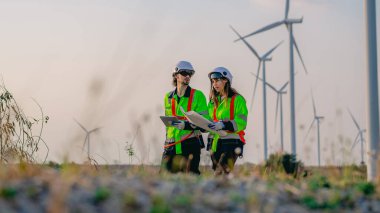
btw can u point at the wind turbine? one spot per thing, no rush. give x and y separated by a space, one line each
292 43
262 59
279 92
318 120
87 138
359 137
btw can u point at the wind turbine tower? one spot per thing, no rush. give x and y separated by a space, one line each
372 90
292 43
262 59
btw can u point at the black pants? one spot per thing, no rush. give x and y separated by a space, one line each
188 161
227 152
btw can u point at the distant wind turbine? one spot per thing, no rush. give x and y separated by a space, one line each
292 43
318 120
87 138
359 137
262 59
279 92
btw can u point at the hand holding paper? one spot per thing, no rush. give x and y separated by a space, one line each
178 124
216 125
201 122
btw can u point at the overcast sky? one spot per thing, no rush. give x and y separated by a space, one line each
108 64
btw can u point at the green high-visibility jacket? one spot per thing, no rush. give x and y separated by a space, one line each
198 105
223 113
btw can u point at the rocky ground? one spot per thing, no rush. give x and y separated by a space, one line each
73 188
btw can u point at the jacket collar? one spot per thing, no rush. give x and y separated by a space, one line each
187 92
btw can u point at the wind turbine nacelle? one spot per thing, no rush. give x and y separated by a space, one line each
294 21
267 59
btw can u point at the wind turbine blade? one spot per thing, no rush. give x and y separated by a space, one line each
246 43
287 9
308 131
268 84
284 86
254 89
353 119
268 27
270 51
315 111
298 51
277 109
80 125
299 54
272 87
85 140
355 141
94 130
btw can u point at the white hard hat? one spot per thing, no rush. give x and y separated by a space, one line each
183 65
220 72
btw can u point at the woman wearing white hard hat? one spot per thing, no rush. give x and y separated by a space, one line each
228 110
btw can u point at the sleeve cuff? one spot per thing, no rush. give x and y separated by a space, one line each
228 126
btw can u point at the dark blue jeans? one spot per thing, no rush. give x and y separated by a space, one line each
227 152
188 161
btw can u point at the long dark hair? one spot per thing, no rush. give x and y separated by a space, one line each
227 89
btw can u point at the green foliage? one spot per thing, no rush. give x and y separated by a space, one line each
367 188
8 192
101 194
159 205
316 182
130 151
310 202
17 138
183 200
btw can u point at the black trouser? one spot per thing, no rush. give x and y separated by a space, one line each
227 152
188 161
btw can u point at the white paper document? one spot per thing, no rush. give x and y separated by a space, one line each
201 122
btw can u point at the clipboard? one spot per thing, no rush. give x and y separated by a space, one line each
167 120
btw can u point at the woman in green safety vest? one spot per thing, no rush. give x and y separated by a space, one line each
228 111
184 140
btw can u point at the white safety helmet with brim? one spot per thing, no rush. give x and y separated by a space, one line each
184 66
220 72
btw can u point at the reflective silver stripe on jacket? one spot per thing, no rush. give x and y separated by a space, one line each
243 117
228 136
203 112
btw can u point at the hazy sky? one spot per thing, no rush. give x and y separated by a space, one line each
108 64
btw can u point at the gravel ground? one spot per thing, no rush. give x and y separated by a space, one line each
122 189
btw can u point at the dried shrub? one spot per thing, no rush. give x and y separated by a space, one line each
284 163
18 141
